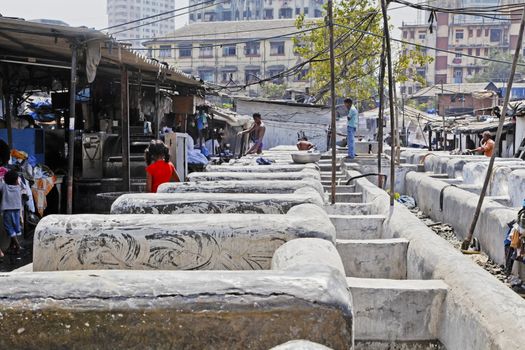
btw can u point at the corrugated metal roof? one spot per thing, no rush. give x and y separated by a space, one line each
30 42
450 89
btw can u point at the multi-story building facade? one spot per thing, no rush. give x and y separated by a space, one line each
469 40
233 54
123 11
239 10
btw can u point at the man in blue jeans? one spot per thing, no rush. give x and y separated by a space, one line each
351 126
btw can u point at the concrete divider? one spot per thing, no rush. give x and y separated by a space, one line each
213 203
241 176
390 310
457 209
304 253
272 168
480 313
358 226
348 209
174 309
374 258
172 242
248 186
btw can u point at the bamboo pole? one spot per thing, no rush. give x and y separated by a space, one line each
332 95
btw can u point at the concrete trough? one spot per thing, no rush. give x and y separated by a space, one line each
340 189
374 258
358 226
172 242
174 309
393 310
213 203
354 197
249 186
241 176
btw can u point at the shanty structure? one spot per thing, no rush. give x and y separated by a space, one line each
115 90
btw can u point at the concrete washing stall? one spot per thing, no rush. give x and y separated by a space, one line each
478 312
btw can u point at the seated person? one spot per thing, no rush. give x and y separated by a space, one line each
304 144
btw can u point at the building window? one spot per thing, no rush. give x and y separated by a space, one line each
469 71
252 75
274 74
306 11
495 35
165 51
207 75
277 48
405 34
487 32
422 35
252 48
230 50
297 11
412 33
226 77
478 51
206 51
470 52
459 34
478 32
410 90
227 16
458 75
185 50
318 13
486 51
268 14
286 12
301 76
470 33
422 72
209 16
458 53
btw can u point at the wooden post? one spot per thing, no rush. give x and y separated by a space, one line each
71 131
156 127
466 243
332 95
124 108
391 98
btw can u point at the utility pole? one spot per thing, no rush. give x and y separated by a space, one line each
470 234
386 33
444 133
332 93
381 115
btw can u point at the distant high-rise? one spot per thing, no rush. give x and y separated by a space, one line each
123 11
241 10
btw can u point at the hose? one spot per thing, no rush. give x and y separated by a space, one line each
366 175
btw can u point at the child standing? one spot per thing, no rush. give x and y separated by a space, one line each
159 169
11 206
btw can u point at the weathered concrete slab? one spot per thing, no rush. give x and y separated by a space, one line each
241 176
374 258
397 310
300 345
306 253
354 197
272 168
358 226
212 203
172 242
173 310
249 186
348 209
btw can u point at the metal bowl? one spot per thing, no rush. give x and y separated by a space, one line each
306 157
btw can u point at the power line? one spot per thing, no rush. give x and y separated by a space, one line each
166 18
428 47
156 15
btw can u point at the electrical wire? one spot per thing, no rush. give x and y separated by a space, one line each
157 15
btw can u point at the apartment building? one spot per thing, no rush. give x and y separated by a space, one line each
469 40
233 53
123 11
241 10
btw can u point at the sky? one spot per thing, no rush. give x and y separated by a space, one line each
92 13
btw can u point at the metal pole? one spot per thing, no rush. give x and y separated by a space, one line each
381 115
156 129
495 151
391 98
8 106
332 93
71 131
124 108
444 133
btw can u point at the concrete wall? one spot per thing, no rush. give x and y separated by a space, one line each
240 176
172 242
174 309
213 203
479 311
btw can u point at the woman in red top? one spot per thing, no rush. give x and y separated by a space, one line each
159 169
